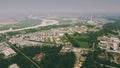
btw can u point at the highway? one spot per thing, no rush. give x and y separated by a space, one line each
11 45
42 24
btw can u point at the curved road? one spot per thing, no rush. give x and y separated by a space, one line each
42 24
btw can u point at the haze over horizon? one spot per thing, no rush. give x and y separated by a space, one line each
57 7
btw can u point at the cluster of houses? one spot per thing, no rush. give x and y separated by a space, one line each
21 42
109 43
79 52
52 35
6 51
112 46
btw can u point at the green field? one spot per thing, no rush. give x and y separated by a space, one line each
79 40
83 44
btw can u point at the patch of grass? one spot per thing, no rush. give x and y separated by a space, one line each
83 44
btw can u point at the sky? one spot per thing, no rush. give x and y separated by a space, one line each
18 7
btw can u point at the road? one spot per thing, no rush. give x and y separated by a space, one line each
11 45
23 54
42 24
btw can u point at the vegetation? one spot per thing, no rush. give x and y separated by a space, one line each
21 24
87 40
93 61
36 29
65 60
53 58
44 28
79 40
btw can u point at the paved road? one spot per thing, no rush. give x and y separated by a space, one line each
23 54
42 24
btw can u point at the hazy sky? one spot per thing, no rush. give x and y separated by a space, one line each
14 7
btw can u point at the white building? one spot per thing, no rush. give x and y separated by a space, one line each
108 43
115 46
8 52
13 66
91 21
